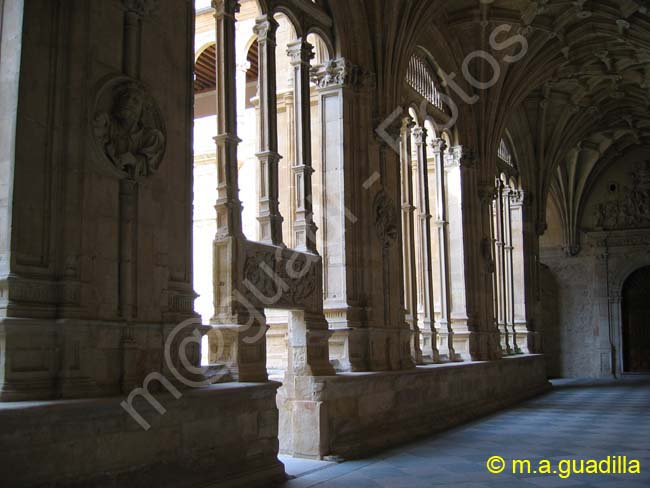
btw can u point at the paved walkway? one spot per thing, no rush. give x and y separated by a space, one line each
575 421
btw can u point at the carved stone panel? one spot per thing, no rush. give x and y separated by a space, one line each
275 277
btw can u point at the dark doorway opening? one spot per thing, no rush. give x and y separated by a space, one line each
636 322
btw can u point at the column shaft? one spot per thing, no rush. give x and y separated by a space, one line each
269 218
408 239
424 216
228 206
301 53
439 147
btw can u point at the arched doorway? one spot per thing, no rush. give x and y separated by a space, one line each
636 322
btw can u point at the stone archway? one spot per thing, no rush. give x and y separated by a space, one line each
636 322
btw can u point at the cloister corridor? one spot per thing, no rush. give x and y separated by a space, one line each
578 419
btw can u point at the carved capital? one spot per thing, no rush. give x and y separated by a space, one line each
300 52
438 146
419 135
265 29
143 8
460 156
340 72
225 8
519 198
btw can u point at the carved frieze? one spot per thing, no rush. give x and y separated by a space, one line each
128 129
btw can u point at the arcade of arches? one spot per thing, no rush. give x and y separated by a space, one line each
234 228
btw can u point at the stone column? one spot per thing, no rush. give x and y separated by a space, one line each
408 239
228 205
338 85
500 271
457 170
509 269
270 220
484 337
517 199
239 334
439 147
301 53
424 217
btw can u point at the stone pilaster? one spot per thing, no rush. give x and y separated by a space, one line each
484 342
338 84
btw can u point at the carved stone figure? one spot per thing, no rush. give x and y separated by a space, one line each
631 209
130 133
385 218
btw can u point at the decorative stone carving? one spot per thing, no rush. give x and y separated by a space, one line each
631 207
128 129
385 218
340 72
279 278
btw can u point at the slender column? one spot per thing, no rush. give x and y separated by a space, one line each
509 277
239 336
301 53
228 205
520 286
424 216
270 220
458 168
408 239
501 302
439 147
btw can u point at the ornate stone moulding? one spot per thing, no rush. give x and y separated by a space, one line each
127 129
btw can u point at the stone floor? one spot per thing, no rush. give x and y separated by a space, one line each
578 420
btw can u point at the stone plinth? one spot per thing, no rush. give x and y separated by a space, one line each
224 435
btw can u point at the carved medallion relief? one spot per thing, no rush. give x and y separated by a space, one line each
128 129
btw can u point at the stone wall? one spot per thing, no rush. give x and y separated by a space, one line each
225 436
354 414
586 340
582 284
